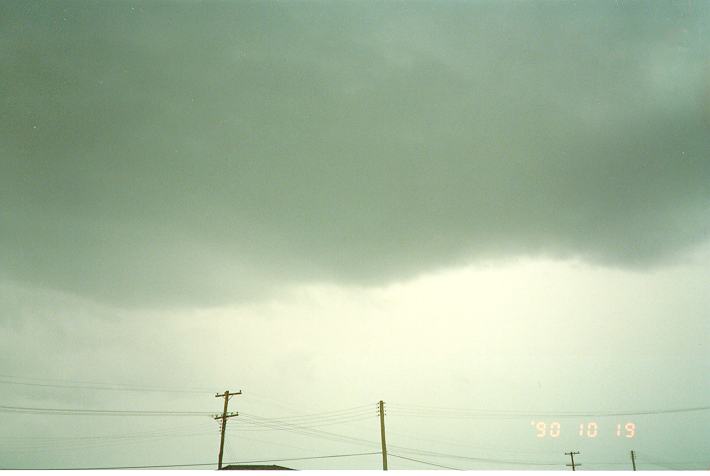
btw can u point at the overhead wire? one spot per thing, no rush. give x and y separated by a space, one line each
312 432
439 412
89 385
319 417
288 406
186 465
254 423
141 434
271 442
332 437
299 429
253 427
470 458
308 416
643 457
304 424
342 438
307 425
329 436
449 441
296 425
425 462
71 442
96 412
81 445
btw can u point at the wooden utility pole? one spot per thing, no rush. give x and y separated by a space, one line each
571 455
633 459
226 395
382 435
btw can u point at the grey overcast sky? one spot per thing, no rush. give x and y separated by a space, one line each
502 206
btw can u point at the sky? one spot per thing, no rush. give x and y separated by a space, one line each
494 216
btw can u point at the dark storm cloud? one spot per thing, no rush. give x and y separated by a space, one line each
195 153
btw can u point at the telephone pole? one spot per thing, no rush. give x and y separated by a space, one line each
571 455
633 459
382 435
226 395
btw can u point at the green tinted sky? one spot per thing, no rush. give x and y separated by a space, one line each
337 202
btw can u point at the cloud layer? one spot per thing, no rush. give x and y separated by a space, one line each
195 154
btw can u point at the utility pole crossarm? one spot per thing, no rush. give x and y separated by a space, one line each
228 415
227 393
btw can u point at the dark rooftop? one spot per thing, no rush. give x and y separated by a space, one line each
256 467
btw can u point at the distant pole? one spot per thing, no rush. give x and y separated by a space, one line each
571 455
226 395
382 435
633 459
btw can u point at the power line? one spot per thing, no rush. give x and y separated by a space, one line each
309 431
471 458
274 402
325 417
310 457
79 384
287 406
270 442
307 416
252 426
304 458
164 430
438 412
90 412
334 437
8 441
674 465
643 458
98 387
18 444
426 462
277 424
460 444
68 446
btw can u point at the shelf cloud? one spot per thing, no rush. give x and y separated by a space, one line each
157 154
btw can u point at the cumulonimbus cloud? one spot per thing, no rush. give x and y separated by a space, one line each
175 154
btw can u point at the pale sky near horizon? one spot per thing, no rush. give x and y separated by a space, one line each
486 214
